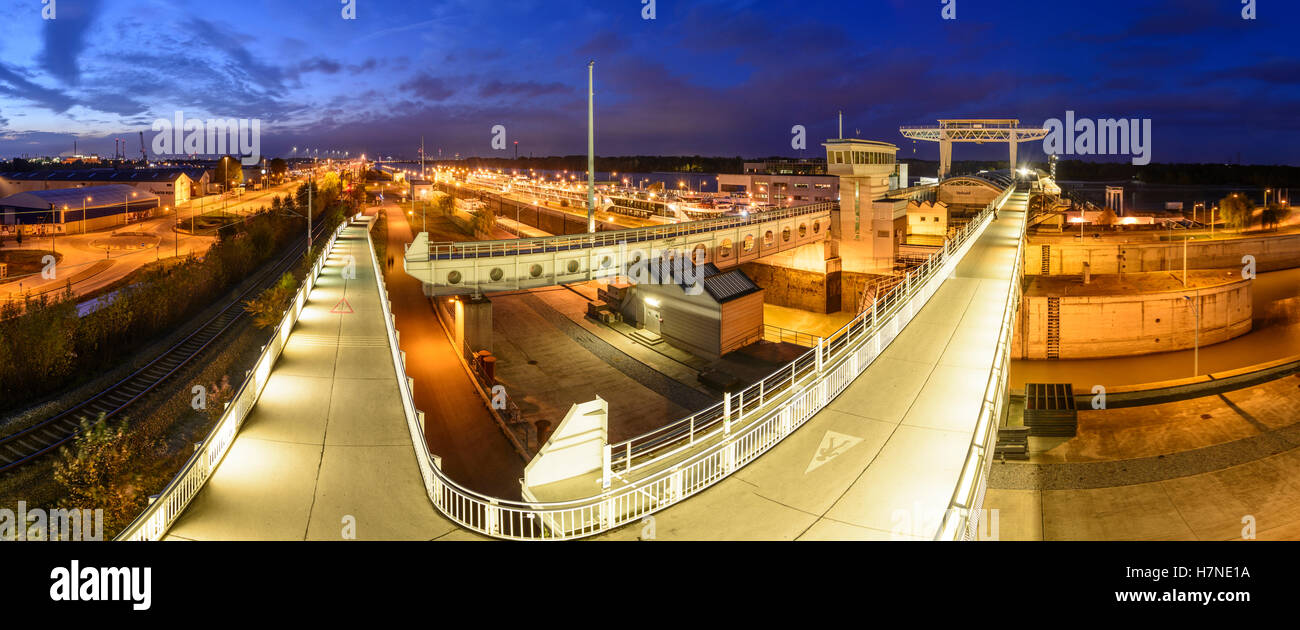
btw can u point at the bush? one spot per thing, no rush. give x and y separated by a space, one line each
268 307
92 472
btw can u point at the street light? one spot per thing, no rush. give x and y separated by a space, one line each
1196 352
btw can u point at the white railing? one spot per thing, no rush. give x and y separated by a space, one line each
696 452
961 519
611 238
163 511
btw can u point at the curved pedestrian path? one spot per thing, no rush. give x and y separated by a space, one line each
326 454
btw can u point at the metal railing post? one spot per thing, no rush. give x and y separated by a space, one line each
606 466
726 413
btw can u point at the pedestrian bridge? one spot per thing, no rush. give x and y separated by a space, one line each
484 266
899 410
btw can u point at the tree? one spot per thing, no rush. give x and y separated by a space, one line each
229 172
484 221
445 203
1274 214
1236 210
278 167
1107 218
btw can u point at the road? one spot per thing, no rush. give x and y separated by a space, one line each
92 266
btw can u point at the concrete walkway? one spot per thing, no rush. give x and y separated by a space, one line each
328 439
458 425
883 459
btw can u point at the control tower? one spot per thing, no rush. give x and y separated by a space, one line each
977 130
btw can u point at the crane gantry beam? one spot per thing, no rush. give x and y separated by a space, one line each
976 130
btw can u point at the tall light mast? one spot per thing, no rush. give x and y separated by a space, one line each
591 148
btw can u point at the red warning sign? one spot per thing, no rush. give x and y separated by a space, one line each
342 308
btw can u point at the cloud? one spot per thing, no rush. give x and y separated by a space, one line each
321 65
527 89
65 38
428 88
14 84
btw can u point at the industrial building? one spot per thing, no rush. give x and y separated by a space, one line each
172 186
723 314
76 210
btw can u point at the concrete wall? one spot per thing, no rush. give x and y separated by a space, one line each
809 290
1066 258
1123 325
794 288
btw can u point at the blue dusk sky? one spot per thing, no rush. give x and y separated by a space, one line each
704 77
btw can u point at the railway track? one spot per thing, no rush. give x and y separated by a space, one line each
31 443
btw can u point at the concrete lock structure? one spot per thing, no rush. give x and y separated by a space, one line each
1056 255
1062 317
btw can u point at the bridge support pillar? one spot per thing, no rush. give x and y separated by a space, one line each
1013 154
945 157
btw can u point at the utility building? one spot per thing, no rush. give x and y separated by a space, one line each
719 312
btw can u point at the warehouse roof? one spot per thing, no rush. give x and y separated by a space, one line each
106 175
112 194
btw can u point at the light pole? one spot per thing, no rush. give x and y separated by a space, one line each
591 147
1196 352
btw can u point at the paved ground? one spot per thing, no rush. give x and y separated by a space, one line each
554 363
458 426
1188 470
882 460
328 438
1208 506
807 322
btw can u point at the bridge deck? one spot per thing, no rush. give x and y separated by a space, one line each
883 459
328 438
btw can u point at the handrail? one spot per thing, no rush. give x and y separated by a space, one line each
611 238
961 519
162 512
735 436
741 435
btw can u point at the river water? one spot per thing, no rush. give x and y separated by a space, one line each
1275 334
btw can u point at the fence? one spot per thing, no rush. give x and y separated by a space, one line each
961 519
163 511
514 246
687 456
700 450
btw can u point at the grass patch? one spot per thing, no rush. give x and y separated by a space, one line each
25 262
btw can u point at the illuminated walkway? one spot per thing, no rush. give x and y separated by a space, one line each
328 439
882 460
